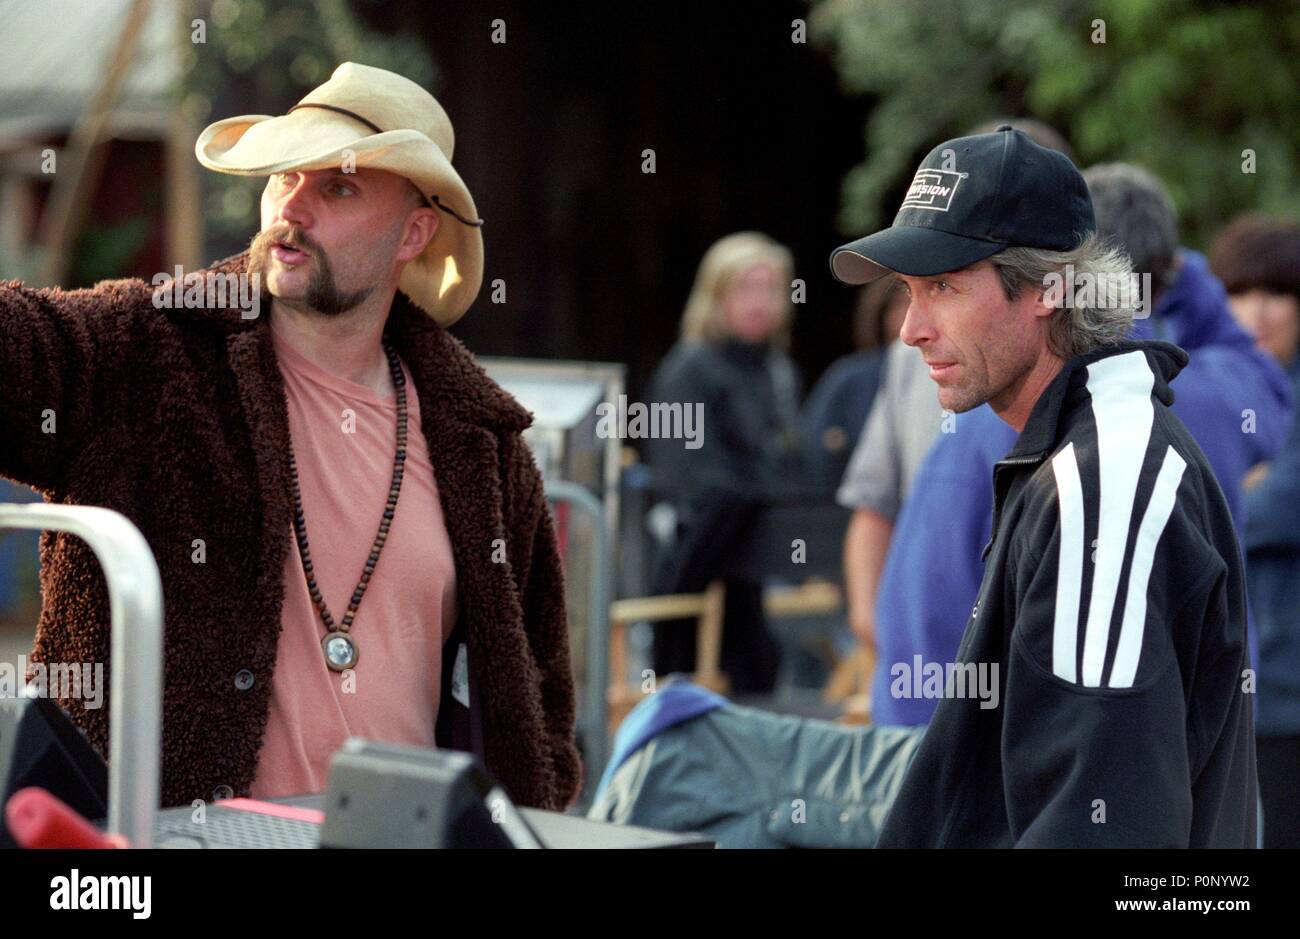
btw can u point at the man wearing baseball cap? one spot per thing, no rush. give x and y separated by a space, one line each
1099 697
352 535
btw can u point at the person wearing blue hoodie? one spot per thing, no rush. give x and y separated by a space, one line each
1258 260
1235 400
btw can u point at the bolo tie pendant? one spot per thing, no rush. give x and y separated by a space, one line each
341 651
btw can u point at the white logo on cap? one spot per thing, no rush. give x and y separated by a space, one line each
932 189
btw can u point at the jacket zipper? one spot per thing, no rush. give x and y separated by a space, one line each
999 499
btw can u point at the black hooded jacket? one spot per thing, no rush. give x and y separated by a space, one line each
1110 632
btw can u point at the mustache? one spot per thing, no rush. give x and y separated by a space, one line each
292 237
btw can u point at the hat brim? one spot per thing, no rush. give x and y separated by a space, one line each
445 279
907 249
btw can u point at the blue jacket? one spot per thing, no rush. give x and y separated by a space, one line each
1272 546
1230 385
932 573
836 412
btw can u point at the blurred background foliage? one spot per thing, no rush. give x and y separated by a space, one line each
261 57
1179 86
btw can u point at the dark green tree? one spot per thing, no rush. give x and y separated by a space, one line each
1201 93
262 56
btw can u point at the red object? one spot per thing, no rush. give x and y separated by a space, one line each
315 816
37 819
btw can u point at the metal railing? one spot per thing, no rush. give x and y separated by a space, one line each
136 624
594 711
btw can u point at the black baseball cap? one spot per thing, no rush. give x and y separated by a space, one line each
971 198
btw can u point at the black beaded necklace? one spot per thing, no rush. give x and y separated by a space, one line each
340 648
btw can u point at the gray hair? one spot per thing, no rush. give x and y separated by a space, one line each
1135 214
1075 327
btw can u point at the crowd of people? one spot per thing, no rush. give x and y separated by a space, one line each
918 480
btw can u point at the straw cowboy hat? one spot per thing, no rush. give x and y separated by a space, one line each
383 121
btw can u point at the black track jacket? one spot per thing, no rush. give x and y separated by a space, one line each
1113 607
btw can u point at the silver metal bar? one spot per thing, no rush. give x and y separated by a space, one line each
594 712
136 621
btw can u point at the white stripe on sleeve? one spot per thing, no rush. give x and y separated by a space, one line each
1069 575
1120 387
1135 606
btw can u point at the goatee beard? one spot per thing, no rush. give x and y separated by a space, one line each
323 294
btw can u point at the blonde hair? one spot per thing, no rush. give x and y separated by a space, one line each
704 319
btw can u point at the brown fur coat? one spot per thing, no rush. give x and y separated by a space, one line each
177 418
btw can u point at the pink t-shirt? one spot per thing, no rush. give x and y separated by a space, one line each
409 607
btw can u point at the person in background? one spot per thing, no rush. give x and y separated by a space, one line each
730 365
1234 398
839 403
902 426
933 571
900 430
1258 260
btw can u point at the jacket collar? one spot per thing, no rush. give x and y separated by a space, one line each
1069 388
444 370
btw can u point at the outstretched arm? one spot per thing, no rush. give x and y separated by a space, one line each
53 347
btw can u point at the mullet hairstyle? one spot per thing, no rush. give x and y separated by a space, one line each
1074 329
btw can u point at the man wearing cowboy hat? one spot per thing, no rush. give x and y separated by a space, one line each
352 536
